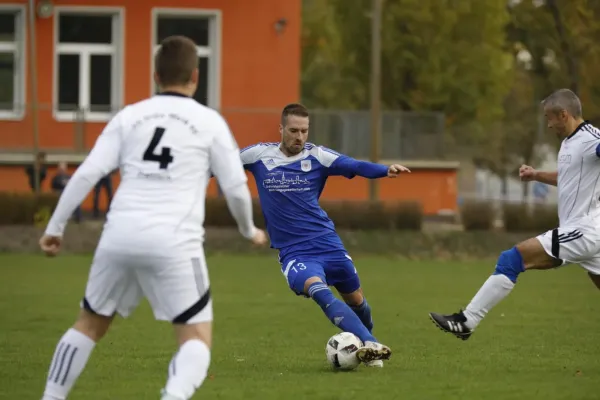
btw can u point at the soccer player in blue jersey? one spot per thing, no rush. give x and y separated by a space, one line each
290 176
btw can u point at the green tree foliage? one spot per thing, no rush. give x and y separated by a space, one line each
441 55
462 57
563 37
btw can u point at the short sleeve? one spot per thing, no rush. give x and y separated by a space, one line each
251 154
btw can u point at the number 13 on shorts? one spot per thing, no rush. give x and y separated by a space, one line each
292 267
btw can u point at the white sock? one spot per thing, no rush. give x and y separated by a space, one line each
70 357
187 370
496 288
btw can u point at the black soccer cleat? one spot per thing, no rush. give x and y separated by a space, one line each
454 324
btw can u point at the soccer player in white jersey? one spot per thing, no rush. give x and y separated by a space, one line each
151 245
575 241
290 176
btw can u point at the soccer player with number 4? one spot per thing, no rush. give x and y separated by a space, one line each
290 176
152 243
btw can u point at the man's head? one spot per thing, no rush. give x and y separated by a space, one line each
293 128
40 157
562 110
62 167
176 65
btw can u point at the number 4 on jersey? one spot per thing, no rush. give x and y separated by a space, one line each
164 158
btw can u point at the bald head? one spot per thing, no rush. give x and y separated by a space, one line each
563 100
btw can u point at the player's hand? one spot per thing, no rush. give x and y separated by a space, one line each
527 173
395 169
259 238
50 245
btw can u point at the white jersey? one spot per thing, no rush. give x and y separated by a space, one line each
166 147
578 173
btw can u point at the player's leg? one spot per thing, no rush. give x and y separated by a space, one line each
546 251
341 273
178 290
107 286
189 366
358 303
307 278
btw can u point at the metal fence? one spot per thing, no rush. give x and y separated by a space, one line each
404 135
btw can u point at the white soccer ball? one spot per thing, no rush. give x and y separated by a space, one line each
341 351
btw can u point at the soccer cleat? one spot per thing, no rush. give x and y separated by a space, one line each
375 364
373 351
454 324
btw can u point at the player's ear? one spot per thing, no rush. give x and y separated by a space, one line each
156 80
281 129
195 77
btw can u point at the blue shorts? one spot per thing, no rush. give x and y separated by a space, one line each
335 268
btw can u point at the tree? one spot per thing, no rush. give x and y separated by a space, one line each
563 38
441 55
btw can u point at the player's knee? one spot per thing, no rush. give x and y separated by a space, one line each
92 325
201 331
510 264
353 299
310 281
534 256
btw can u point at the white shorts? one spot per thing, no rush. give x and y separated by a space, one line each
177 287
575 244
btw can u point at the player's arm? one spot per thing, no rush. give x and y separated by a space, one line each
226 166
102 159
549 178
341 165
528 173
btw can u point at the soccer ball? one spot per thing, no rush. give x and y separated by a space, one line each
341 351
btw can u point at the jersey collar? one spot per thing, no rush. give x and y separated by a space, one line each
581 125
176 94
296 157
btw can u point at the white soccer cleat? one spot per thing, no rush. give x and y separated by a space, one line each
375 364
373 351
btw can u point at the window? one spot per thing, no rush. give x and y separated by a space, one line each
88 63
204 28
12 63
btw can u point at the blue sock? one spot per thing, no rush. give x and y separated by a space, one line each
510 264
338 312
364 313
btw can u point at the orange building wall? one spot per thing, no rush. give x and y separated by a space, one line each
435 189
259 68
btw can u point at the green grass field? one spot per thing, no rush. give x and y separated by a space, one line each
543 342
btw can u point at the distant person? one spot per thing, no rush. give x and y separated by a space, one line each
105 182
59 182
40 160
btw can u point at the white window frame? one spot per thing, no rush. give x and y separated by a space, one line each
212 51
18 48
85 51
